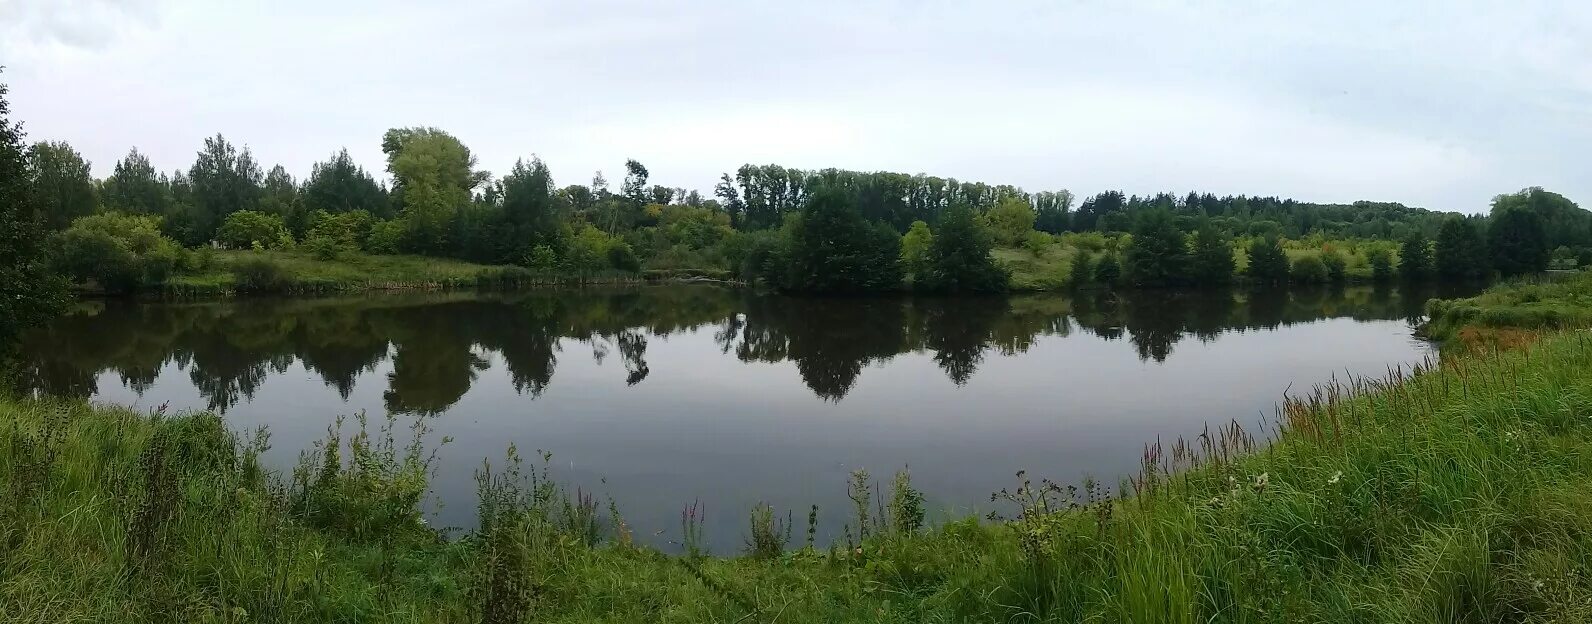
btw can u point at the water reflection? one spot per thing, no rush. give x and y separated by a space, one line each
439 345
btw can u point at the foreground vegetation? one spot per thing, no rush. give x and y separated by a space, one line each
1456 492
1548 302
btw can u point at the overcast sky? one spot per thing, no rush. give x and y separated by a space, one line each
1441 104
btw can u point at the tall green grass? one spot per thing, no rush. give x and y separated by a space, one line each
1550 301
1457 492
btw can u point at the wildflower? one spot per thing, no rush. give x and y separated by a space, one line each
1335 477
1262 480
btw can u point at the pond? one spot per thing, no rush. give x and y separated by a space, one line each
660 396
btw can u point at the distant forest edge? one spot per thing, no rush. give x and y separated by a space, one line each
796 230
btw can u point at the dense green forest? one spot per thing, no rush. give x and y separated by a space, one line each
799 230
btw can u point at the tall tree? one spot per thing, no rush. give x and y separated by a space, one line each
835 250
62 187
433 177
1460 253
915 246
1157 254
1564 223
136 188
338 185
29 292
1053 210
959 257
1519 242
529 209
634 188
1011 221
1268 263
1415 257
279 196
623 214
730 198
1212 261
224 181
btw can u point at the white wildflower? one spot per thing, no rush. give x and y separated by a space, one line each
1335 477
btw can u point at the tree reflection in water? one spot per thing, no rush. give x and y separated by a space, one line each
437 345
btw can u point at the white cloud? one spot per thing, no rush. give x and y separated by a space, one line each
36 28
1431 103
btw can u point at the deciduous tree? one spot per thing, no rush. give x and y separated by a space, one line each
834 249
1519 242
1460 252
29 292
1415 257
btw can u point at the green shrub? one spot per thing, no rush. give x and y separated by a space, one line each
1036 242
622 257
588 250
1309 270
200 260
91 255
247 229
324 247
258 274
120 253
385 237
1337 265
350 230
1109 270
1268 263
959 257
1081 271
542 258
1381 261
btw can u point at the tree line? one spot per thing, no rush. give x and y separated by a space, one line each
799 230
1512 240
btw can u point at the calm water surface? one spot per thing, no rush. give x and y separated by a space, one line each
663 395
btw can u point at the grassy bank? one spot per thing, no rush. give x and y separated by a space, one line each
1540 302
234 272
1457 493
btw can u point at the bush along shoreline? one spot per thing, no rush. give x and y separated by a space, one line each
1453 491
1512 309
234 273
